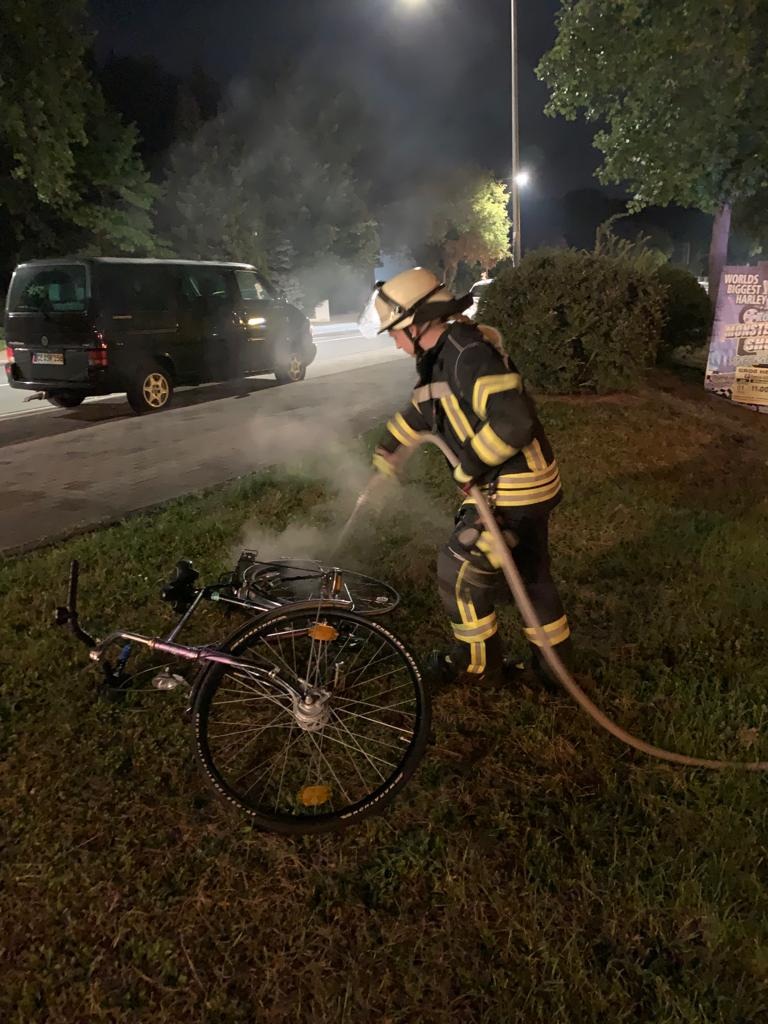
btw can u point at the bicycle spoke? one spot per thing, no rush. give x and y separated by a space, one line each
330 769
375 721
263 691
358 747
354 763
368 704
254 736
282 776
382 675
334 739
380 661
288 746
360 672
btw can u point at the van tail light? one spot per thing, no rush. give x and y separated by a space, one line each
98 356
9 356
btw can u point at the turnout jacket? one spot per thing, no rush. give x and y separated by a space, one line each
474 398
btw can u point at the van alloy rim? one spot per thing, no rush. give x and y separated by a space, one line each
156 390
295 368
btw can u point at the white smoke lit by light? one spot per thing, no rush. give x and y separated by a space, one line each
324 451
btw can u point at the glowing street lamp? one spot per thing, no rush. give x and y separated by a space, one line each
520 178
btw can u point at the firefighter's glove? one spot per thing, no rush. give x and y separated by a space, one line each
387 463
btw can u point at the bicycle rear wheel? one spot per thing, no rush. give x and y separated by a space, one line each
286 580
298 769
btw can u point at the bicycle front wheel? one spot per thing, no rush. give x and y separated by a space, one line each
320 764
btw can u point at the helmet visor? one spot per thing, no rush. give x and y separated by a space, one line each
368 322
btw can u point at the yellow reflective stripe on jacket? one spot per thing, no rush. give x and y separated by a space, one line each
524 481
493 385
460 476
534 456
515 499
384 466
556 632
401 430
520 497
429 392
489 447
456 418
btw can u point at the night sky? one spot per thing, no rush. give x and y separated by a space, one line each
437 71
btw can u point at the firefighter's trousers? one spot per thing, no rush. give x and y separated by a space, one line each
471 584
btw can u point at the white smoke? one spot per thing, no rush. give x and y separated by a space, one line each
324 452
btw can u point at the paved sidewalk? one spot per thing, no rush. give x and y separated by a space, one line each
56 486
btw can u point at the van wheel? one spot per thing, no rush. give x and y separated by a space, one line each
151 390
65 399
291 369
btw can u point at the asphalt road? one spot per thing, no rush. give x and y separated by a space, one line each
63 471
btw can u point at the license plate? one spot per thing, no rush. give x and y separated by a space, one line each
49 358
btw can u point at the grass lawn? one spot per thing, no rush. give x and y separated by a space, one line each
533 870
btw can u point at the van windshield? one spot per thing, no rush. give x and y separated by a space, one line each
60 288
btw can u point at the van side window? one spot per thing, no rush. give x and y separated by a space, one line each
250 286
207 283
132 288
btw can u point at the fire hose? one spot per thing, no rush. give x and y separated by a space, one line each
528 615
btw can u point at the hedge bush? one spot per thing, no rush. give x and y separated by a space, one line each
687 310
575 321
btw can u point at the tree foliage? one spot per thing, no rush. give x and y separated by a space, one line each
687 310
44 91
458 224
70 177
636 252
469 223
163 107
273 183
680 89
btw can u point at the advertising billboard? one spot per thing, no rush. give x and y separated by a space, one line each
737 367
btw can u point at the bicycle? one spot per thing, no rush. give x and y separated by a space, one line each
309 717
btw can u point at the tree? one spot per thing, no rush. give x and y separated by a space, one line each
750 226
682 90
44 92
461 221
162 106
584 210
471 224
146 96
70 177
271 182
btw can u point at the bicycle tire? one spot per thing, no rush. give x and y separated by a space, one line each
290 815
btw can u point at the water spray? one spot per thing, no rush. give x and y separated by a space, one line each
363 500
528 615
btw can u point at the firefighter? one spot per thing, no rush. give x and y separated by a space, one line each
470 393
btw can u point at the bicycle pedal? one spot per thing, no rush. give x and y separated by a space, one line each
168 681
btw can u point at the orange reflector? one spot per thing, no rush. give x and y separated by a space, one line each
322 631
314 796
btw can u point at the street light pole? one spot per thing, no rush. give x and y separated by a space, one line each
516 227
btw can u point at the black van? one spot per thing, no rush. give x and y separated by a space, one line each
80 327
